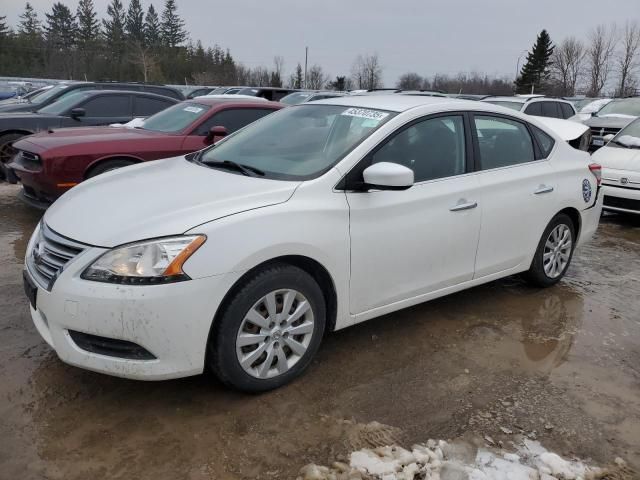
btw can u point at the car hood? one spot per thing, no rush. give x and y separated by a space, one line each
609 121
615 158
86 135
155 199
567 129
17 107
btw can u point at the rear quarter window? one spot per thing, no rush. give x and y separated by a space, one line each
545 142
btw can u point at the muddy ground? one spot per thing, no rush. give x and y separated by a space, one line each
561 365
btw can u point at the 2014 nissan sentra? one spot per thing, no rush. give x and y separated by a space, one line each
241 257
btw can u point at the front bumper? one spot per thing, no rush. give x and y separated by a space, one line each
170 321
621 199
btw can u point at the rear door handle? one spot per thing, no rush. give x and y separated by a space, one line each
463 206
543 189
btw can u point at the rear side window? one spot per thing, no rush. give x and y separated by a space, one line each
551 110
165 92
108 106
143 106
567 111
503 142
545 142
232 119
534 109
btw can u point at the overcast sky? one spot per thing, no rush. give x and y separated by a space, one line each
408 35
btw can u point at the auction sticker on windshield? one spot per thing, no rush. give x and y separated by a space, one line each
192 109
365 113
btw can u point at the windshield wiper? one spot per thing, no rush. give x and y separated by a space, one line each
618 142
228 164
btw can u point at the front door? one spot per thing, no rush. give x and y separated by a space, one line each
408 243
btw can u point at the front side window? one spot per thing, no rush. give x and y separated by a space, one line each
299 142
503 142
433 148
108 106
176 118
232 119
61 106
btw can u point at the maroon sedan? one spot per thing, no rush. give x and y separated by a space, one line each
50 163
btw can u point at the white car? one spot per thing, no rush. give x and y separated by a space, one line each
536 105
239 258
620 160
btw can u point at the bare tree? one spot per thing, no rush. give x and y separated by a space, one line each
316 78
410 81
367 72
602 44
567 64
627 60
143 57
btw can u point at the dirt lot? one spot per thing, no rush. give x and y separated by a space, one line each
561 365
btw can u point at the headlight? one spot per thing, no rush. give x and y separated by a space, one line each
145 263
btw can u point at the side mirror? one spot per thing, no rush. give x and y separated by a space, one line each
388 176
78 113
609 137
217 131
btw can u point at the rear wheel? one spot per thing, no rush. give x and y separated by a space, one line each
270 330
108 166
554 253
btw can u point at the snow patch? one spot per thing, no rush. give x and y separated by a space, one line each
629 141
458 460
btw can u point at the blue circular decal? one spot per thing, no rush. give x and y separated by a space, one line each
586 190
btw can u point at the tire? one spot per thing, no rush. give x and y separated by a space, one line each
6 149
265 369
108 166
548 249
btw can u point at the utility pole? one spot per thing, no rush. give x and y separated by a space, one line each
306 58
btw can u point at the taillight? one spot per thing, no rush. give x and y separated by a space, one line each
596 170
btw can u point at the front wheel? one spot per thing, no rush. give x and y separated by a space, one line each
554 252
269 331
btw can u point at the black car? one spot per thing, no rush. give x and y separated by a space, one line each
63 90
270 93
83 108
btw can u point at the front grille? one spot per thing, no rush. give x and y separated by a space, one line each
110 347
625 203
601 132
49 255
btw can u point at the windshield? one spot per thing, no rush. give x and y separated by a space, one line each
43 97
61 106
300 142
175 118
627 106
629 136
295 98
512 105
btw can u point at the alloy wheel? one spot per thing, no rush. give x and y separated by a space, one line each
557 251
275 333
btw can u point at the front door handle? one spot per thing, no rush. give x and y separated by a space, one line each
463 205
543 189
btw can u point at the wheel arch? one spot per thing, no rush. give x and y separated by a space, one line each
314 268
102 160
16 130
576 219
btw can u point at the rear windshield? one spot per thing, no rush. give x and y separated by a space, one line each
176 118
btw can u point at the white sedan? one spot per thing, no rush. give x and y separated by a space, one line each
620 160
241 257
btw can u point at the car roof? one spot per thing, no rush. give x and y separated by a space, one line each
393 103
93 93
229 100
525 99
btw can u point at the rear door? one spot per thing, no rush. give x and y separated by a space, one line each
517 191
107 109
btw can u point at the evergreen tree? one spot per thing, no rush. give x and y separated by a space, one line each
88 25
88 35
152 32
29 25
535 72
134 23
172 26
113 31
60 35
4 29
298 77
